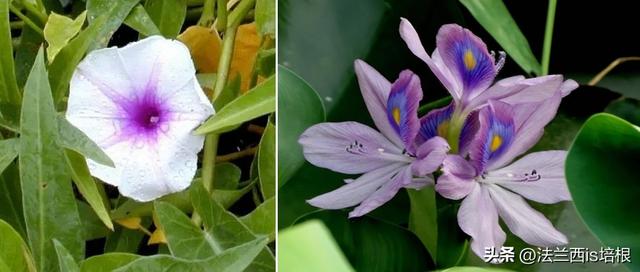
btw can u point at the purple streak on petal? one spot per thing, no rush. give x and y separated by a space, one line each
384 193
478 217
474 66
375 92
439 69
456 181
468 132
349 147
357 190
402 107
495 135
538 176
435 123
429 156
525 222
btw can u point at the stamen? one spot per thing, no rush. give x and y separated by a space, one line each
501 59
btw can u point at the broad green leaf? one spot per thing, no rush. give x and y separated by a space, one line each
47 195
87 185
423 217
92 225
310 247
259 101
225 228
231 260
262 220
13 250
495 18
299 107
373 245
226 176
626 108
168 15
118 10
8 152
185 239
228 94
65 260
10 94
266 16
267 161
107 262
140 20
126 240
73 138
99 28
601 168
59 30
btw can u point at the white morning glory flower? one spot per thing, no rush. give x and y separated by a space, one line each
140 103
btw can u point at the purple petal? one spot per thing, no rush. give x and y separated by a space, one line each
375 92
439 69
500 89
535 90
525 222
456 181
495 135
349 147
430 156
468 133
435 123
402 107
419 183
355 191
478 217
568 86
384 193
537 176
467 55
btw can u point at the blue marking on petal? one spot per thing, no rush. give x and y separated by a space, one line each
435 123
495 135
402 107
473 63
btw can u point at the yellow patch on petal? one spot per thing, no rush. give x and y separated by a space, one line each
469 60
443 129
496 142
396 115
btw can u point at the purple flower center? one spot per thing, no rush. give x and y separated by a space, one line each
145 117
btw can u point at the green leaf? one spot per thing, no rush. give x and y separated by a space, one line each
92 225
10 94
73 138
255 103
267 161
228 94
373 245
299 107
266 16
606 149
8 152
140 21
168 15
225 228
126 240
13 250
310 247
185 240
107 262
47 195
65 260
262 220
227 176
118 10
453 243
98 31
495 18
30 41
423 217
59 30
266 62
231 260
11 199
626 108
87 186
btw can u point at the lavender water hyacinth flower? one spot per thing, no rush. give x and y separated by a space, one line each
140 104
467 70
389 159
493 189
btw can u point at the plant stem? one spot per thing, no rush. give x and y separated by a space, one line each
17 24
35 11
548 35
610 67
237 155
225 60
26 20
221 23
207 17
209 160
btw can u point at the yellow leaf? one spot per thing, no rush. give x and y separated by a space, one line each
245 50
204 46
130 222
157 236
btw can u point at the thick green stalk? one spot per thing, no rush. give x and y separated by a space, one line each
207 17
548 35
221 23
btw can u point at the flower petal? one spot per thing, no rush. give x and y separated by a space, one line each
439 69
375 92
468 133
495 135
419 183
435 123
535 90
525 222
402 107
456 181
355 191
478 218
430 156
568 86
384 193
349 148
538 176
468 58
